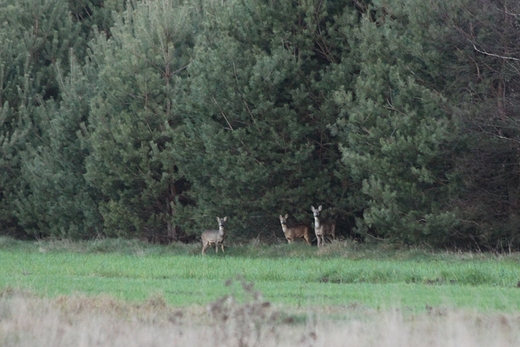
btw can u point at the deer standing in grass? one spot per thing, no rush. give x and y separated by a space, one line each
296 231
216 237
322 229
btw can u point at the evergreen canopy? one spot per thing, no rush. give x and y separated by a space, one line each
150 118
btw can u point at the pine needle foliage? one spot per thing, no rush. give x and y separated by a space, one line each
255 139
396 134
133 118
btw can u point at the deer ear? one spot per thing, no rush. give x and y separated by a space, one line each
319 208
286 216
312 207
224 219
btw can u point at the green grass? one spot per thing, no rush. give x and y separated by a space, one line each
341 275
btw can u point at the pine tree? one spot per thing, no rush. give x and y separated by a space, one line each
139 73
395 131
12 136
484 70
59 201
35 34
256 141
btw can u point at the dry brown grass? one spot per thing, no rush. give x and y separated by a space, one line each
26 320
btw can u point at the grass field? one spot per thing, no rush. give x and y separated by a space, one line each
342 291
302 277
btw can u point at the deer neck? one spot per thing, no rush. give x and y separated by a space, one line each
221 230
317 223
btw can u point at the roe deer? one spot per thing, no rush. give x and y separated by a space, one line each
296 231
322 229
215 237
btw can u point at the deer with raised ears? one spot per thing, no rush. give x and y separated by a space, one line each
216 237
296 231
322 229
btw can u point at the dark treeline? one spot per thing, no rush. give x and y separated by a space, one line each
150 118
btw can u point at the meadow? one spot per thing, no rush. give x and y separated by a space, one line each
293 290
293 275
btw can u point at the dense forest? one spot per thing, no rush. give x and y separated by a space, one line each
150 118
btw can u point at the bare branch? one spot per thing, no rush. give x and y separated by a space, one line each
516 15
493 55
223 114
